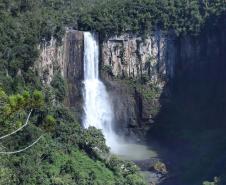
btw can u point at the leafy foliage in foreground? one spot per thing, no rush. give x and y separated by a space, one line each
66 155
13 108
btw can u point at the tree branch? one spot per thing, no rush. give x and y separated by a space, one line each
21 150
28 117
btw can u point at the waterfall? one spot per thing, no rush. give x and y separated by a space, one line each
97 109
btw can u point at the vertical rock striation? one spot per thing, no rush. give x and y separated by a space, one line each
51 59
74 44
67 59
132 56
161 59
129 57
157 59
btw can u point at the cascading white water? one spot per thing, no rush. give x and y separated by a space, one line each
97 109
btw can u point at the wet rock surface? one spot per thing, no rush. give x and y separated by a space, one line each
152 175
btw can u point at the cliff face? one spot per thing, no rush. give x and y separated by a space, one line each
192 123
167 63
132 56
67 59
154 62
176 85
159 56
200 53
148 60
51 59
74 67
128 57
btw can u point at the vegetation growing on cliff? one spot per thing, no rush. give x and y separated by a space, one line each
65 153
24 24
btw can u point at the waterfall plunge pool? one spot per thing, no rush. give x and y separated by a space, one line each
135 152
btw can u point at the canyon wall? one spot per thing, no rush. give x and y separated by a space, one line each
128 57
67 59
133 56
162 64
138 71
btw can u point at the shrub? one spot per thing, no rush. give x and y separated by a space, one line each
59 86
108 69
50 123
93 142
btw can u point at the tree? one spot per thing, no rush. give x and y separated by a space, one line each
10 107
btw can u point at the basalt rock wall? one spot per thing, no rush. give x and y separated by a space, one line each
65 58
138 71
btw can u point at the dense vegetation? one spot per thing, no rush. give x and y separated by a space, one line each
141 16
66 153
25 23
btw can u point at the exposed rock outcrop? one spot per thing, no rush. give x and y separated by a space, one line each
154 60
67 59
124 106
74 66
160 58
150 59
51 59
132 56
128 56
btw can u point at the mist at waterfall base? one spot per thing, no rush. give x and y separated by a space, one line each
97 107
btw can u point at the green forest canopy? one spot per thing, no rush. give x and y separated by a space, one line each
26 23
